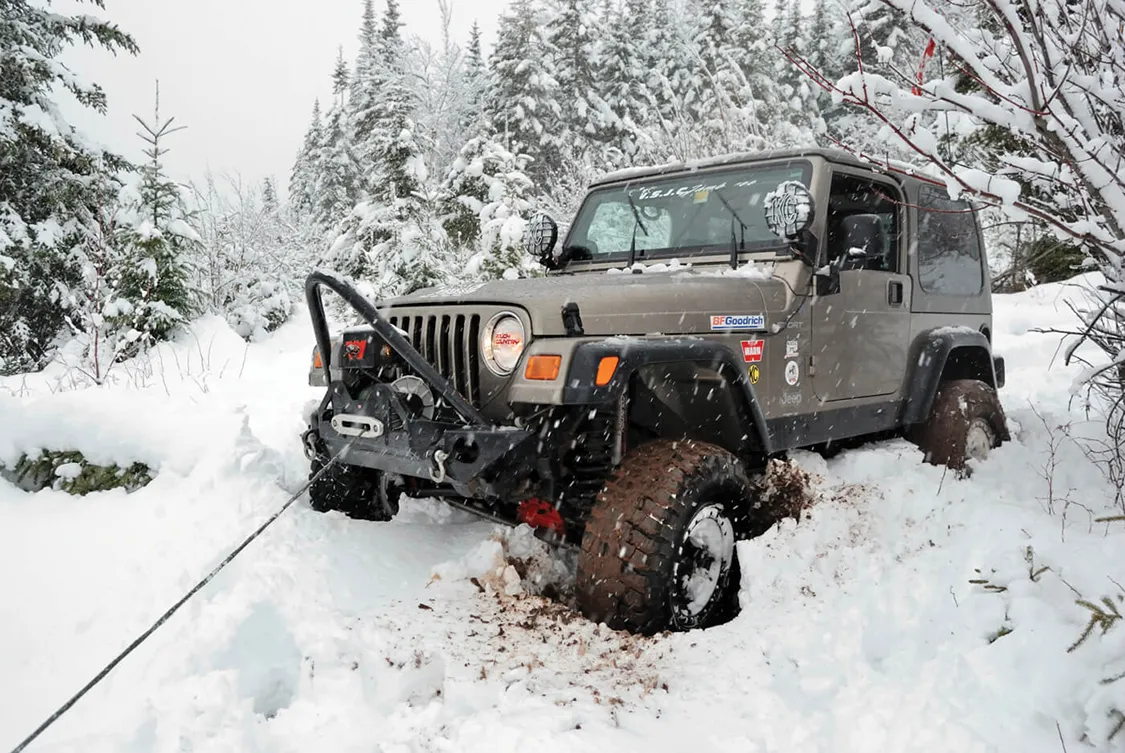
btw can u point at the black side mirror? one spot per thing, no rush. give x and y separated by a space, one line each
864 237
540 238
789 209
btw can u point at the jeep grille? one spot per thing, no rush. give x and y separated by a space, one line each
449 343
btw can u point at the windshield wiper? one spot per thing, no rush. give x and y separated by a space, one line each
641 225
741 246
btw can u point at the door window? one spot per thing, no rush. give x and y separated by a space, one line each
852 196
949 252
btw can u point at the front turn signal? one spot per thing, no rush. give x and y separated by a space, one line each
606 367
544 368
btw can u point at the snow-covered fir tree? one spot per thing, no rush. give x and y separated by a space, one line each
338 179
159 241
49 190
306 169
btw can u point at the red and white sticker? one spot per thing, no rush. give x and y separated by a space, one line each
752 350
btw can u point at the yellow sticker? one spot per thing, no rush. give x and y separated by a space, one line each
702 196
753 372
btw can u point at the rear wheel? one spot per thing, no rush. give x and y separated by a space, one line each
357 492
965 424
659 551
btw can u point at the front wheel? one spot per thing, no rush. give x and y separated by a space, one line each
357 492
658 551
965 424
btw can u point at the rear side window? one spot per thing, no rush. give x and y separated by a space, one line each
949 253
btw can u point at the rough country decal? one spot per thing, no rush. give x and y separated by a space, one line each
792 373
752 350
738 321
792 348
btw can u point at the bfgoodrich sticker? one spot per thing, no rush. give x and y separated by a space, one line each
738 321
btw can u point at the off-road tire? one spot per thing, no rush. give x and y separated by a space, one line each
352 490
634 536
957 405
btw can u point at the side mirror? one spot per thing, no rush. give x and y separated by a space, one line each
540 238
864 237
789 209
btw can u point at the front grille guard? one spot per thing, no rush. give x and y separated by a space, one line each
389 334
477 458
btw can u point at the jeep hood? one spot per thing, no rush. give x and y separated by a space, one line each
621 304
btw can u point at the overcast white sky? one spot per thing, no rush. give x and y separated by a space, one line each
240 74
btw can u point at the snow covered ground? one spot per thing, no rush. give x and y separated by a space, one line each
860 630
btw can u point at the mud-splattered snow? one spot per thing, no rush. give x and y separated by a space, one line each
861 629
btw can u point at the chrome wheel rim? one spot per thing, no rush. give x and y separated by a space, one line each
705 560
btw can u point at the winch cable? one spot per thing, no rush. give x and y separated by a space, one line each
175 607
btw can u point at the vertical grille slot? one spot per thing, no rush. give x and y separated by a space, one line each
458 355
445 350
473 359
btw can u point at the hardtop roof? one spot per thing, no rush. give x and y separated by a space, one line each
635 173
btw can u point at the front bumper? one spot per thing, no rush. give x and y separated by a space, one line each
377 430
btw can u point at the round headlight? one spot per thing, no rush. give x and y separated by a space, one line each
503 342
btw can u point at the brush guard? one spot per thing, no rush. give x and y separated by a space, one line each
473 456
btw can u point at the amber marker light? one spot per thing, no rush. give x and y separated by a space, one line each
606 367
317 363
543 368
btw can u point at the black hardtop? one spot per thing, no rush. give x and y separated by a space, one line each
736 158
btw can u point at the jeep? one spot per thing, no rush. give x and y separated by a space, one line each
697 321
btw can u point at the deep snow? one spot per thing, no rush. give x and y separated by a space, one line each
860 629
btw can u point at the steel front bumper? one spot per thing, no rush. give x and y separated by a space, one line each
377 430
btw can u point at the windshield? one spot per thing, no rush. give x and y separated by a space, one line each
688 214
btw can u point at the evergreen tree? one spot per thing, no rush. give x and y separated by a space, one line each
522 104
580 117
622 80
337 187
48 186
392 146
159 245
305 174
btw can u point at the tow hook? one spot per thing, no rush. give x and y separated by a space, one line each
309 441
437 467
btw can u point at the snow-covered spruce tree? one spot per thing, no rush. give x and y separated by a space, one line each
336 167
522 102
485 206
159 245
304 176
47 172
391 240
623 79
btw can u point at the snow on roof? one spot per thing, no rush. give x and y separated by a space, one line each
835 155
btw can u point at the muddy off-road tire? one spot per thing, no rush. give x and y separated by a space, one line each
658 550
356 492
966 422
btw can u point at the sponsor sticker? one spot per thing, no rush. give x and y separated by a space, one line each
738 321
792 373
792 348
754 373
752 350
701 196
354 349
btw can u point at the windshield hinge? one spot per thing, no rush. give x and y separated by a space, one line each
572 320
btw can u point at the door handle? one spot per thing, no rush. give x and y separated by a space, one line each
894 292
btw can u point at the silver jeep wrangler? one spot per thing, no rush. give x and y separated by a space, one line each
695 322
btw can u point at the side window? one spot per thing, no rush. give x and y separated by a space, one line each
949 253
852 204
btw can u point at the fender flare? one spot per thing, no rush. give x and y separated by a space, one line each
637 353
932 352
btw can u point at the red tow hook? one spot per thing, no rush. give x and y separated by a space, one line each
539 513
